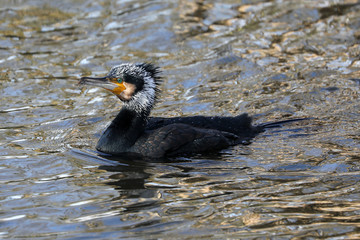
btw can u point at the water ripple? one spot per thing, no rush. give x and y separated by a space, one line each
273 59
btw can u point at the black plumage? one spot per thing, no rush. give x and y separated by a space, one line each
134 132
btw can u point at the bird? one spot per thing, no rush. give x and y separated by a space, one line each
134 133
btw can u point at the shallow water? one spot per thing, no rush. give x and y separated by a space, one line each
273 59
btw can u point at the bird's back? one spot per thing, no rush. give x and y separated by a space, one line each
181 139
239 125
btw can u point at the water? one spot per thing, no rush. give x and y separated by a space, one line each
273 59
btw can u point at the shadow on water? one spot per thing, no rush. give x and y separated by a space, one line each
133 176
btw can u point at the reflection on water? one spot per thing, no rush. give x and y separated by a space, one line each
272 59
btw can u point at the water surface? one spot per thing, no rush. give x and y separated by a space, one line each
273 59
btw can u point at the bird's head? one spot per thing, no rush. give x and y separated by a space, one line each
134 84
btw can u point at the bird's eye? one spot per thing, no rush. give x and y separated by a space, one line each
119 80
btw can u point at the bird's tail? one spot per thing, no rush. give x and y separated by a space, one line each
279 123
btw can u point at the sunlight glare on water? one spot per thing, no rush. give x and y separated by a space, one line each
273 59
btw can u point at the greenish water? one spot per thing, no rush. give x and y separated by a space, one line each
273 59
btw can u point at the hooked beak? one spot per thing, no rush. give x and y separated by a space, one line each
105 82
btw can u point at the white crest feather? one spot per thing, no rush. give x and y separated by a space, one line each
143 100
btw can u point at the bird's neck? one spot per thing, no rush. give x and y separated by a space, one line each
129 120
123 131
